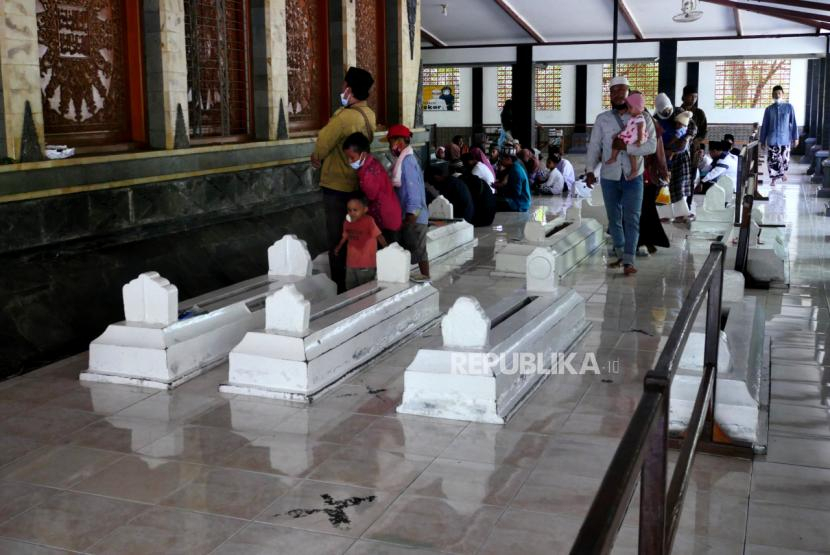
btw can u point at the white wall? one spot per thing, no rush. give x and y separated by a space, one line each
464 116
489 96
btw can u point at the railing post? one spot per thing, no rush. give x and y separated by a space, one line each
739 186
743 235
654 475
713 328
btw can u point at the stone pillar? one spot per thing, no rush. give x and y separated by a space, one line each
20 74
825 118
270 69
524 97
403 60
808 104
166 72
692 73
667 69
579 140
814 82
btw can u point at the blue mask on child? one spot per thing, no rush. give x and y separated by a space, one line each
680 132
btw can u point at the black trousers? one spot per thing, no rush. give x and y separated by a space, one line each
334 205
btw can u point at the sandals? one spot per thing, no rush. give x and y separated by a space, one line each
629 269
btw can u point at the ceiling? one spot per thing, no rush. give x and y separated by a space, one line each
490 22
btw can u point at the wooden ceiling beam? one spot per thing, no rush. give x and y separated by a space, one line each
789 15
739 28
806 4
520 21
432 39
629 18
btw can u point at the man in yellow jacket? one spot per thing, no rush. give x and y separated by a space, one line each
338 180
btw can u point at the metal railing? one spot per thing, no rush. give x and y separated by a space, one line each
643 449
748 170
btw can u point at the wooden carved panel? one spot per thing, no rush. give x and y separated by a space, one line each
306 30
216 39
370 27
83 70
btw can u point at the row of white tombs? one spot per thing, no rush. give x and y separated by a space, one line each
289 335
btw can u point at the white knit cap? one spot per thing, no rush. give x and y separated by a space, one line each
619 80
661 103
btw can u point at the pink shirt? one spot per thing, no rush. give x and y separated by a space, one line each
384 206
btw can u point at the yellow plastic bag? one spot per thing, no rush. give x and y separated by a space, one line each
663 197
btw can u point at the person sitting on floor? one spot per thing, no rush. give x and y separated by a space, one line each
723 163
513 193
452 188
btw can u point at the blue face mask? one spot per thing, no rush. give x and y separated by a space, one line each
357 164
344 100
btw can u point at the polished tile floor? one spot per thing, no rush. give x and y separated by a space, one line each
114 469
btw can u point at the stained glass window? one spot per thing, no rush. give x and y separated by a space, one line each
745 84
435 82
642 77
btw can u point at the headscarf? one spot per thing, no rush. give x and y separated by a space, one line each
661 104
478 154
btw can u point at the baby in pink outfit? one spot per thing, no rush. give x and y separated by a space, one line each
635 130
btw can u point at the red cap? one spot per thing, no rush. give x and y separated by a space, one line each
398 130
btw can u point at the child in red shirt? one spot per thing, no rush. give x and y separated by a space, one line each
363 236
384 205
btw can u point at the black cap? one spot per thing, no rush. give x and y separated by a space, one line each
689 89
360 81
719 145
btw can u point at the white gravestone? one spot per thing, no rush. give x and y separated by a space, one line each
289 257
151 299
393 264
541 271
287 310
441 209
466 325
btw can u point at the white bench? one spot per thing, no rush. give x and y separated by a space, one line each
306 347
154 347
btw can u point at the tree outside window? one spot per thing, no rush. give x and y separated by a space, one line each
747 84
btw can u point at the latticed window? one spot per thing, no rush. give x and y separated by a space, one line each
90 68
371 24
504 84
549 88
436 80
216 40
306 35
642 77
744 84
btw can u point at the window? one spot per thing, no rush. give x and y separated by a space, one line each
642 77
216 42
371 25
744 84
504 84
549 88
306 30
90 70
436 81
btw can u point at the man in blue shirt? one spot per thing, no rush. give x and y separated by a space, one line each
513 192
780 133
408 180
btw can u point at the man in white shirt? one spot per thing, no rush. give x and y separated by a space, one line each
565 168
723 163
623 197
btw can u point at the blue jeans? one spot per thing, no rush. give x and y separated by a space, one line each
623 202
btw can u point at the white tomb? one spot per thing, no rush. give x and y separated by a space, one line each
740 399
570 239
155 347
489 361
306 347
717 214
447 234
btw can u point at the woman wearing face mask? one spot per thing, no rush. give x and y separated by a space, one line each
338 180
375 184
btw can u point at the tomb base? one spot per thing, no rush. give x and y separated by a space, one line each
343 333
570 246
446 238
487 384
165 356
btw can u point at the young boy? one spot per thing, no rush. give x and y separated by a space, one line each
408 178
363 236
384 206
